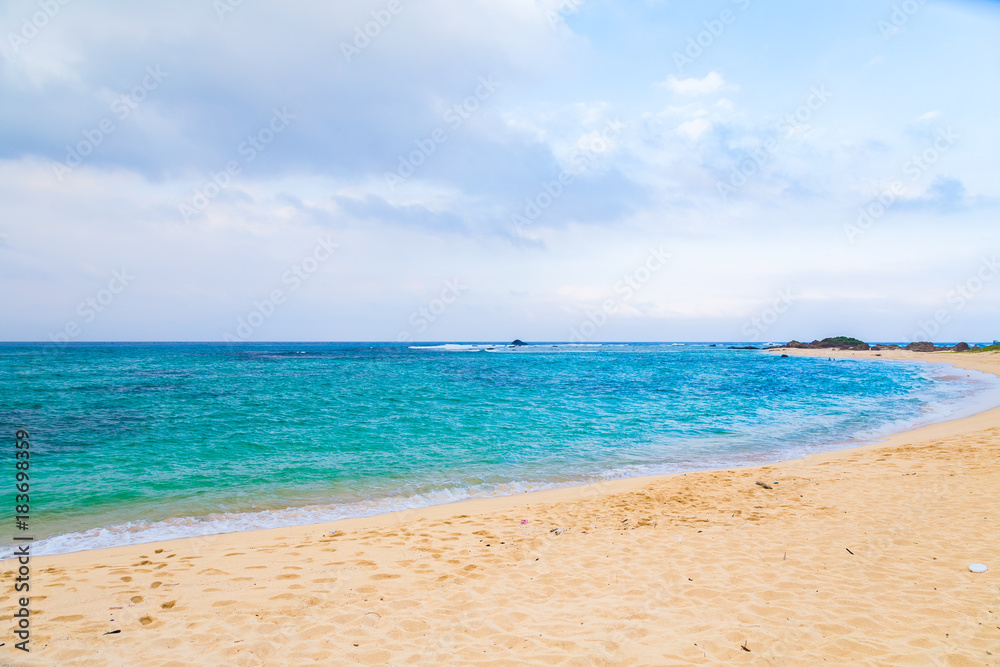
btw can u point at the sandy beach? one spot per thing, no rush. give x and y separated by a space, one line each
859 556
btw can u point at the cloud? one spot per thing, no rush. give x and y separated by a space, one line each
710 83
694 128
224 77
655 156
372 208
946 195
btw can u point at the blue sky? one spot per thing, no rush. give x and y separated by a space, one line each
726 170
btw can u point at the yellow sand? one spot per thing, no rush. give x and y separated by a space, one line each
855 557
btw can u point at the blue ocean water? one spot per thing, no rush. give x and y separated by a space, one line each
139 442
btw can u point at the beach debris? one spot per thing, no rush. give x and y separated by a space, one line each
333 532
977 567
849 551
764 484
557 531
113 632
744 646
524 522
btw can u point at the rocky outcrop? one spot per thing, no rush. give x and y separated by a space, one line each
518 343
845 343
835 343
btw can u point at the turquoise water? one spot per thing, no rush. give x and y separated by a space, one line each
136 442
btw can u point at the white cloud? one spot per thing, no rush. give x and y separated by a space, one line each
710 83
694 128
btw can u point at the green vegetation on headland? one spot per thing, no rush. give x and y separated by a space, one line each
848 343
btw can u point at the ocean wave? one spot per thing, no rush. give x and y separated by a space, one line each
145 532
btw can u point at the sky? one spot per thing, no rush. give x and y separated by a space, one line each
549 170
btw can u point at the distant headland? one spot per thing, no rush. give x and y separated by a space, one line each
848 343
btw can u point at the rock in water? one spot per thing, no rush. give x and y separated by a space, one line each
518 343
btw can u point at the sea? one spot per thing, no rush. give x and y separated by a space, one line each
138 442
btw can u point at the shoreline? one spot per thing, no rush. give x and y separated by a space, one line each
608 485
615 485
396 548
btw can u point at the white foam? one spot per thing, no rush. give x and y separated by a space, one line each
502 347
144 532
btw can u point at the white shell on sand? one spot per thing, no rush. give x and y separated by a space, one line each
977 567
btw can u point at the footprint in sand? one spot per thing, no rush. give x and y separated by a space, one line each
156 584
146 620
136 599
168 605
